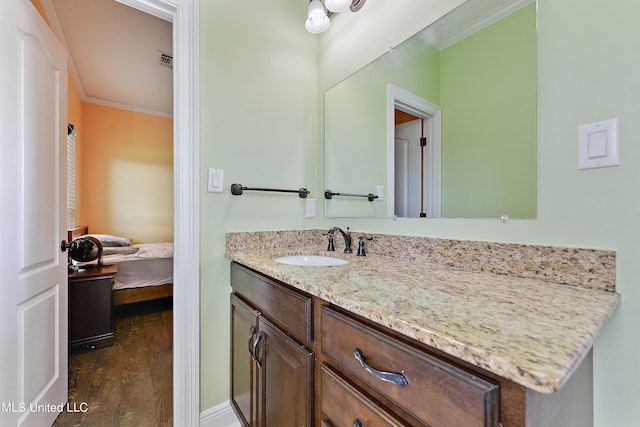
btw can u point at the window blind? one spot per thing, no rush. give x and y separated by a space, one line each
71 178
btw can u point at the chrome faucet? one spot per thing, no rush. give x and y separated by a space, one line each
346 236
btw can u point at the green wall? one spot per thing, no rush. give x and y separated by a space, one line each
488 100
258 124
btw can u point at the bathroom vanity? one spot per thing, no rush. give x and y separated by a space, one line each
389 341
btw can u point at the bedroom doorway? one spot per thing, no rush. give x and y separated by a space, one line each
183 14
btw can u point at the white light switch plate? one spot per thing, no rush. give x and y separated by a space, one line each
215 180
598 145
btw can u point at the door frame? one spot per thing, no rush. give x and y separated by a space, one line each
184 14
432 114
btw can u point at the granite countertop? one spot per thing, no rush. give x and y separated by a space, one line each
530 331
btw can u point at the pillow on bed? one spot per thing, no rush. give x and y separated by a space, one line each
108 240
119 250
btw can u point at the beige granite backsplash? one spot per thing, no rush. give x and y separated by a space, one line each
585 268
280 239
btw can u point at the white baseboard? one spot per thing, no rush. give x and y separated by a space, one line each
221 415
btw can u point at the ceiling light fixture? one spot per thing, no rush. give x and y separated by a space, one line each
337 5
317 21
318 18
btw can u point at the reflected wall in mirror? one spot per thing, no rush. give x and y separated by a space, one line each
482 79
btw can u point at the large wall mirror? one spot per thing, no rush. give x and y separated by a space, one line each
443 125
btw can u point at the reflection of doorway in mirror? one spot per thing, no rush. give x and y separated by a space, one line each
409 169
413 169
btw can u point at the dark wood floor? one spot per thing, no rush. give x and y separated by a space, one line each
130 383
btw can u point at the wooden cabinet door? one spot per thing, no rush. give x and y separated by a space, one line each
90 303
285 379
244 324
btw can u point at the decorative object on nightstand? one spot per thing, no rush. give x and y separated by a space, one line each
84 250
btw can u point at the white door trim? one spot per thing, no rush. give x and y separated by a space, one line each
184 14
419 107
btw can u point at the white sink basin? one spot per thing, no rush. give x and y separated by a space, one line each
310 260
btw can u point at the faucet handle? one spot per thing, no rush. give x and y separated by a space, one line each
361 251
331 246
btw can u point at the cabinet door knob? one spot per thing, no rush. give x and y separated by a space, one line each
392 377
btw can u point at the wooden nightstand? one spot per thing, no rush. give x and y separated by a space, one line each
90 298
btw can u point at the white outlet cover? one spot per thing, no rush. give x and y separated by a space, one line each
311 208
598 145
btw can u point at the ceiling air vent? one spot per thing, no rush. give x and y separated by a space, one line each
165 59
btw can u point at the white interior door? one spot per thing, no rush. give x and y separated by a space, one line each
401 172
33 107
408 188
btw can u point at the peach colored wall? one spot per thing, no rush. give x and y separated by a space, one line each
124 168
127 173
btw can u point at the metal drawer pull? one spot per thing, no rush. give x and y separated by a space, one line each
252 332
358 423
255 348
397 379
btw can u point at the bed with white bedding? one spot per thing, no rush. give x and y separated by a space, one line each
146 264
145 271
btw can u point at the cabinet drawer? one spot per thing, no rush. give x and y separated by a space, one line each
436 392
289 309
344 405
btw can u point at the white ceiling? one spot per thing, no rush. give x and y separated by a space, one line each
113 53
